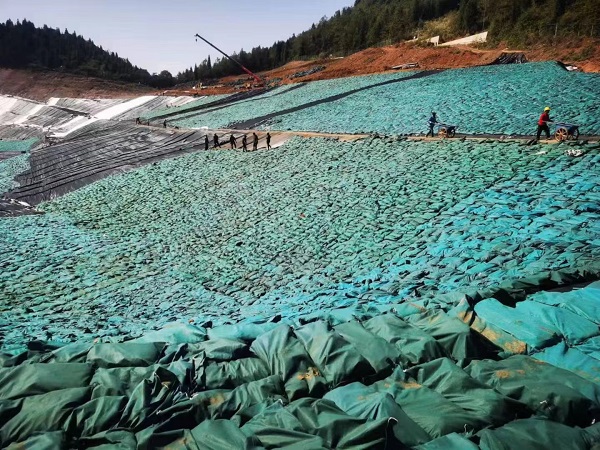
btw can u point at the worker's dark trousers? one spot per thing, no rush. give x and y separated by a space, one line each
545 129
430 131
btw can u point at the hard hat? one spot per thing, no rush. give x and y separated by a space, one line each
547 108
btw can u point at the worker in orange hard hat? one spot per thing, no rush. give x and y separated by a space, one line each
543 123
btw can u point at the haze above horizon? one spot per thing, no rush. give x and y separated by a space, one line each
160 35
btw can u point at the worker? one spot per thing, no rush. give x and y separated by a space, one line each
165 124
138 121
216 141
206 142
268 141
543 123
245 143
432 121
255 142
233 141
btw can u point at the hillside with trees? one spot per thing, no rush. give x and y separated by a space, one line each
369 23
372 23
24 46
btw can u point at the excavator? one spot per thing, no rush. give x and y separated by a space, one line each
259 82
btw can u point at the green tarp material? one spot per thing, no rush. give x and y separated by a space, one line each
413 344
454 336
366 402
591 348
19 419
128 354
583 302
533 434
544 326
451 441
506 343
459 401
322 418
336 359
573 360
46 441
176 333
568 399
268 385
474 396
215 435
36 379
287 357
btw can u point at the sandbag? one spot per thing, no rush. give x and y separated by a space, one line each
35 379
365 402
415 346
128 354
20 419
45 441
452 441
285 356
533 434
551 392
337 360
491 407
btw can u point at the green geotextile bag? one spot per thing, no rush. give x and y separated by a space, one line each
446 378
46 441
365 402
243 332
591 348
583 302
285 355
28 380
209 435
22 418
109 440
452 441
436 414
512 291
124 380
413 344
503 343
573 360
534 434
175 333
459 341
336 359
231 374
218 349
127 354
545 325
550 391
319 423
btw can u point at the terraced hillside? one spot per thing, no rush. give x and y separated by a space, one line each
379 293
503 100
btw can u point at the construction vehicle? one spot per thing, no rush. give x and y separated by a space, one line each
259 82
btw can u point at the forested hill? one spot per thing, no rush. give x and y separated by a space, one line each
23 46
379 22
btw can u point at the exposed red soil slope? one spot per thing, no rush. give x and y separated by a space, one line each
43 85
585 54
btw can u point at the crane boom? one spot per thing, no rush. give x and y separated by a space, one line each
256 78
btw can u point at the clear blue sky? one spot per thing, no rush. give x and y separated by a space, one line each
157 35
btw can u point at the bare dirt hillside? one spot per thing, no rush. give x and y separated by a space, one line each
43 85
